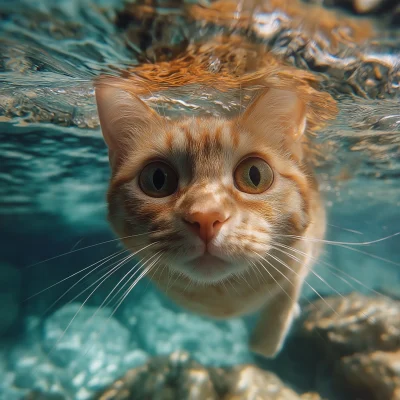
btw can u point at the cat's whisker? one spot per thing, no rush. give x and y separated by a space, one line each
272 277
110 269
102 262
323 280
371 255
140 266
305 281
338 243
103 278
357 281
330 266
346 229
277 245
136 281
84 302
190 282
346 245
308 268
76 244
259 272
114 269
178 275
152 274
223 283
276 281
123 297
233 287
88 247
241 275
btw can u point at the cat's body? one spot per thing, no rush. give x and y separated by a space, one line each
222 201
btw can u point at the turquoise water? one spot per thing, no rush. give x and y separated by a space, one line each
53 179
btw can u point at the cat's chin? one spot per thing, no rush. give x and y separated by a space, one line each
207 268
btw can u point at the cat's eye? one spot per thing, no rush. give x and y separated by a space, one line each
158 179
253 175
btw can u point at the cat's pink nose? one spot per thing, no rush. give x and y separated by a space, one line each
206 225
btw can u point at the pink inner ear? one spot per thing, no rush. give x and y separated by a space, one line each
123 117
279 112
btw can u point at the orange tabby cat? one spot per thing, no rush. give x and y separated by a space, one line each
220 199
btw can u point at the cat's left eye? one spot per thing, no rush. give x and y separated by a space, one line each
253 175
158 179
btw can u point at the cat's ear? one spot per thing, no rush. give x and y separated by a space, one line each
123 118
278 114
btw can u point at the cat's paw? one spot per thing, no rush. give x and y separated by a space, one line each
266 348
269 339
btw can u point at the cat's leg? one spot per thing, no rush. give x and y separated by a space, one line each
275 322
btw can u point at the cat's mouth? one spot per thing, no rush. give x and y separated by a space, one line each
208 262
207 267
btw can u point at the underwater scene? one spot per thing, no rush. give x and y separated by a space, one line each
200 200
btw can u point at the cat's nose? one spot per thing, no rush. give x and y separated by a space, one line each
206 225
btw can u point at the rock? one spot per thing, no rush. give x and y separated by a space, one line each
10 286
172 377
74 334
310 396
354 323
373 375
250 382
71 355
366 6
178 377
361 337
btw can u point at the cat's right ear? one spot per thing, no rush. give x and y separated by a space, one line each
123 118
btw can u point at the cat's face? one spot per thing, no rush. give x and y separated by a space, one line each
211 195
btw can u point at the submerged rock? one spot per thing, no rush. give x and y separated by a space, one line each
365 6
354 323
162 329
77 334
361 337
361 6
76 352
373 375
178 377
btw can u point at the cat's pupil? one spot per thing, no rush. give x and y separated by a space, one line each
158 178
254 175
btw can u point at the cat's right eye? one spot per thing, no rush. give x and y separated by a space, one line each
253 175
158 179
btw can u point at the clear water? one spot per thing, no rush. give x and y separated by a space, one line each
53 178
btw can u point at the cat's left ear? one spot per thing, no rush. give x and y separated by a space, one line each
279 116
123 118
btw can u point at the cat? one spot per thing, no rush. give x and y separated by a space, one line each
218 198
219 206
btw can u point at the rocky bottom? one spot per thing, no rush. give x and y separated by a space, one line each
343 348
178 377
356 339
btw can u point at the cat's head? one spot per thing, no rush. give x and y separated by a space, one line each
208 196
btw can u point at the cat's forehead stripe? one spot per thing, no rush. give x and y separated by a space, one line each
169 138
206 137
235 136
